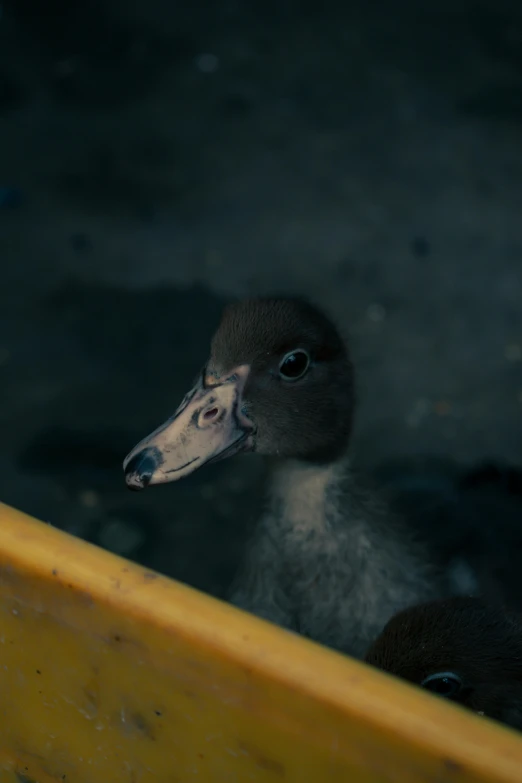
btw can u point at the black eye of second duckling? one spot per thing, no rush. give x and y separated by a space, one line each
294 365
447 684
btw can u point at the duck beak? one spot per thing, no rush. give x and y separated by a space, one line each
208 425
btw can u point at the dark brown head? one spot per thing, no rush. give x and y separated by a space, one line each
463 649
278 381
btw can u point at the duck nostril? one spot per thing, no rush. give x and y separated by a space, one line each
211 414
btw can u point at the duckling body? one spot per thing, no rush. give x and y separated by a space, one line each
462 648
326 560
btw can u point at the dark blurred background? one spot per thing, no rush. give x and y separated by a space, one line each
158 158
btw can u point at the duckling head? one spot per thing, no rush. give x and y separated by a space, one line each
462 649
279 381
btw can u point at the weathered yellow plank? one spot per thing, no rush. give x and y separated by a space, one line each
112 673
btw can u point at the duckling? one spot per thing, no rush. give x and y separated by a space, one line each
461 648
327 559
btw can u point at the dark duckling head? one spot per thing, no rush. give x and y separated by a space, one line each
278 381
463 649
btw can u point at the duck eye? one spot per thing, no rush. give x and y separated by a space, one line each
447 684
294 365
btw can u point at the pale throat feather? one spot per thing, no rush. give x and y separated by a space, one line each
303 496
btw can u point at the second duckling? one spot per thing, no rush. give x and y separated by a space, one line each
463 649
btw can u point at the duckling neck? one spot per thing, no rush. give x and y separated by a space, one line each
304 497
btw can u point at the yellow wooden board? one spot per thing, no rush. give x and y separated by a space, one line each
110 673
